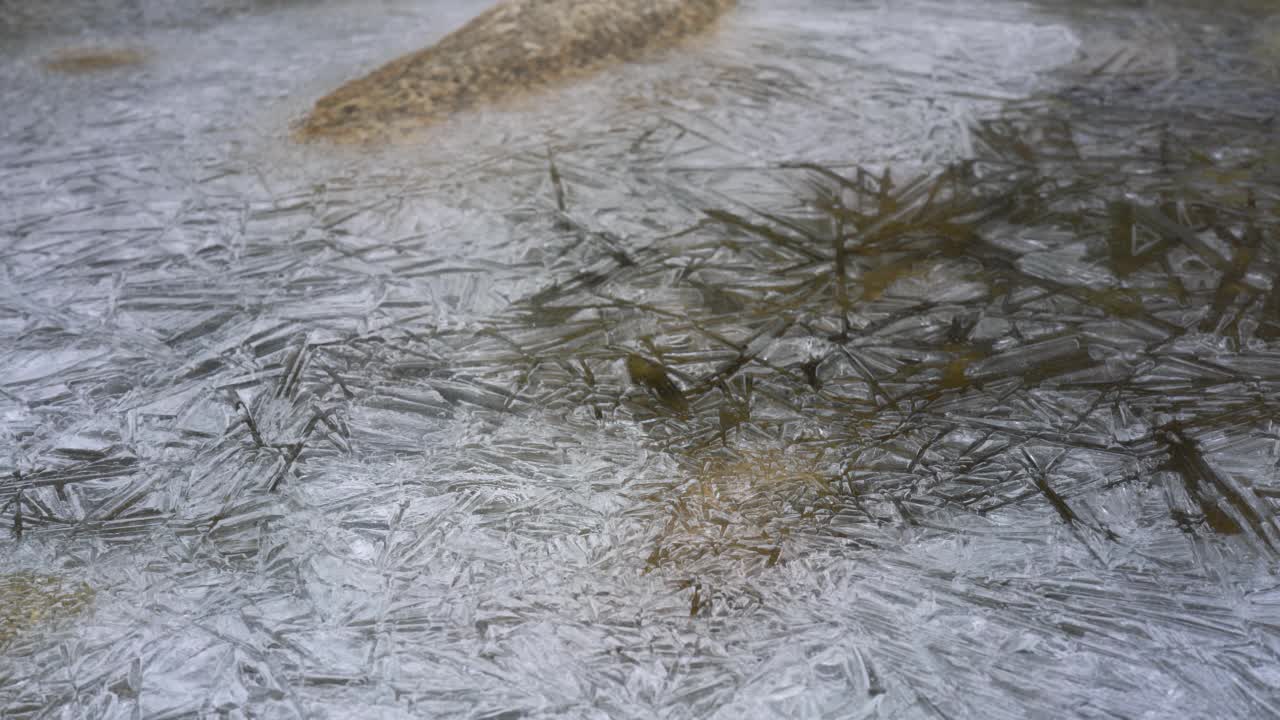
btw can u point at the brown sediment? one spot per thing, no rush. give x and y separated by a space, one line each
29 599
740 507
87 60
517 46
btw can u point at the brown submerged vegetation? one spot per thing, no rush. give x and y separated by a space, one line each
513 48
1079 310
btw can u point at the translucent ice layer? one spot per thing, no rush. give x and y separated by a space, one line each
867 360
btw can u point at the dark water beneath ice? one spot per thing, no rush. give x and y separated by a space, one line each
952 334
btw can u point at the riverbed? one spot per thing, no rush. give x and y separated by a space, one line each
956 327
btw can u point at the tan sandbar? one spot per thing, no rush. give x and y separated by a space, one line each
84 60
516 46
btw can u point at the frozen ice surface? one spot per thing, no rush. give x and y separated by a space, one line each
337 433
